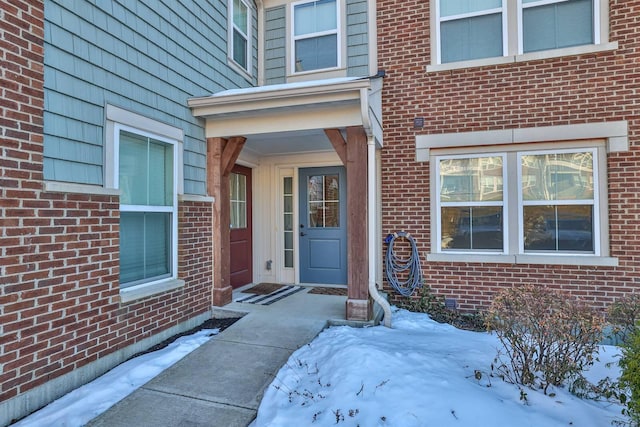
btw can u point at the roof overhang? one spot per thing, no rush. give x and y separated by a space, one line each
319 104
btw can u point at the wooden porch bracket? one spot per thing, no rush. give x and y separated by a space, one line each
359 305
338 142
221 156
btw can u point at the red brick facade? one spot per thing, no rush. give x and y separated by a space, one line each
576 89
60 307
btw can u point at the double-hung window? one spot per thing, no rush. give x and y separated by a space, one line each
472 203
478 29
315 38
519 203
470 29
239 33
558 196
553 24
146 178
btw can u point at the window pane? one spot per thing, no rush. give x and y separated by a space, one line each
145 171
288 185
145 242
239 49
458 7
160 174
315 188
558 228
332 214
331 188
317 53
238 190
561 176
478 228
558 25
475 179
288 259
314 17
288 222
288 203
471 38
316 214
240 16
133 169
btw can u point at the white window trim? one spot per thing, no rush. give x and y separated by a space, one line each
118 118
512 39
293 38
493 11
522 6
230 27
173 209
610 137
595 203
504 203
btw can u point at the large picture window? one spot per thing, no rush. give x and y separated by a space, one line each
552 196
315 35
148 222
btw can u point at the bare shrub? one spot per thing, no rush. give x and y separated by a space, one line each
623 315
548 337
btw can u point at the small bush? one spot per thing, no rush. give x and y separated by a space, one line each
624 315
548 337
433 305
630 377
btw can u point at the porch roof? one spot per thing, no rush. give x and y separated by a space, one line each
293 107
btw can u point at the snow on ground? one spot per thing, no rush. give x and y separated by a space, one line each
420 373
87 402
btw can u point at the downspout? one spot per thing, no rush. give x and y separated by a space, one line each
371 206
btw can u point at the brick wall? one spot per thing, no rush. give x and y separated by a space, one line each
574 89
59 263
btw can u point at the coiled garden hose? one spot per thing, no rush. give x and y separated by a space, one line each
396 266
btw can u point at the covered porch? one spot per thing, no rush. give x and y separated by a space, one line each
298 141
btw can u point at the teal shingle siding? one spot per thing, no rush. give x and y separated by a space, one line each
275 45
146 56
357 38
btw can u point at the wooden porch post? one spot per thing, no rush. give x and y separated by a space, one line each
221 156
353 154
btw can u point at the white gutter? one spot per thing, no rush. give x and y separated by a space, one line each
372 213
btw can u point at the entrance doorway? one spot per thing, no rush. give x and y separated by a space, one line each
323 225
240 245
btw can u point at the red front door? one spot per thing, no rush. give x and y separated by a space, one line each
240 241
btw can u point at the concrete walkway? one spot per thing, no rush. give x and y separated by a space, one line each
222 382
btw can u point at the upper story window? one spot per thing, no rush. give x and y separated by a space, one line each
315 35
470 29
552 24
239 30
476 29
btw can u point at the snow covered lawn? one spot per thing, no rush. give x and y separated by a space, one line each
420 373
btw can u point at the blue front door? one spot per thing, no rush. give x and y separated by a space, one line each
323 225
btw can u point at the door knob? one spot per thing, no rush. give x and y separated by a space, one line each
302 233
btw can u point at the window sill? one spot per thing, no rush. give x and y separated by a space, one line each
69 187
597 261
146 290
531 56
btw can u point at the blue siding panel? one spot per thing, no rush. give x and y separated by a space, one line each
357 38
142 55
275 45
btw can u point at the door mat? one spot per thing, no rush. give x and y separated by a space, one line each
263 289
329 291
270 298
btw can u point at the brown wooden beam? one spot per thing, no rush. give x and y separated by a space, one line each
338 142
359 306
221 156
